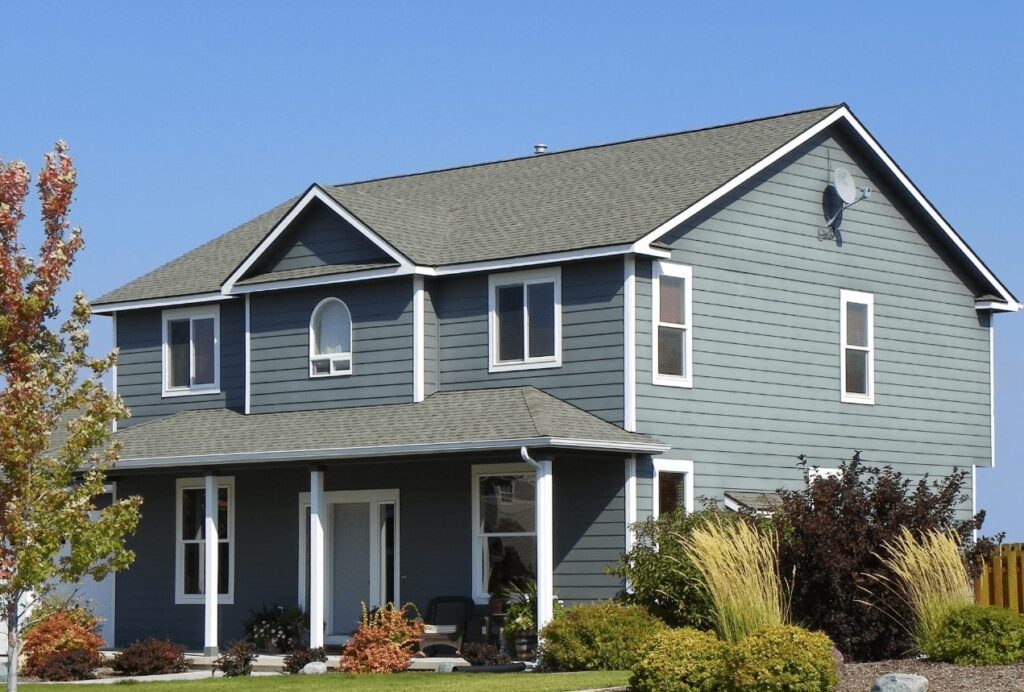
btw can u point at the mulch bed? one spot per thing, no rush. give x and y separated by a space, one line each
942 677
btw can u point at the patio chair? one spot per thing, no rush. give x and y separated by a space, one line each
446 622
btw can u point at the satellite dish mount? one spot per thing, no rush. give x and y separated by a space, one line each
840 194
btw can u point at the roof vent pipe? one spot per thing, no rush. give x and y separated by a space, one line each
539 149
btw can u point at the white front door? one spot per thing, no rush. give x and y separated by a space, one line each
361 561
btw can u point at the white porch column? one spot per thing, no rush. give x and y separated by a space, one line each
545 544
316 558
211 545
629 489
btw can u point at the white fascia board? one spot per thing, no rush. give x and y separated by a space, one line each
843 113
516 262
111 308
315 192
321 280
986 305
385 451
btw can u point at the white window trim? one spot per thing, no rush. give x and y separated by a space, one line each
683 466
658 269
480 594
869 300
190 313
180 597
332 357
535 276
815 473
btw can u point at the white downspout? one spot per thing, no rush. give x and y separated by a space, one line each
545 538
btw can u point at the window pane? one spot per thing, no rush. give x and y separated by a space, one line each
508 503
222 513
193 513
202 338
671 351
541 308
856 371
510 322
333 329
508 560
193 577
322 366
671 494
856 324
223 567
671 299
177 343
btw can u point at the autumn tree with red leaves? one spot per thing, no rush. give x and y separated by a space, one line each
55 413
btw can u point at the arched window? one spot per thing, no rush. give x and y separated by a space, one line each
330 339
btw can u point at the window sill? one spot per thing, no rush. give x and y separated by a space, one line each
852 399
670 381
525 365
170 393
322 375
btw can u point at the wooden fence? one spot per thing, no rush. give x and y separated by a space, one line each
1002 581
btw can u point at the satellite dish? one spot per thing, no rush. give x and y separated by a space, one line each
844 184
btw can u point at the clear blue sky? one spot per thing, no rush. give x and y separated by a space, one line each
187 118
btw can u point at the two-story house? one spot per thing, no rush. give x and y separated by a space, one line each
433 384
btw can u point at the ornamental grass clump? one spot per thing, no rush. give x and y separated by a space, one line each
929 576
739 564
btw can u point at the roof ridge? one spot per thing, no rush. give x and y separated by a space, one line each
530 157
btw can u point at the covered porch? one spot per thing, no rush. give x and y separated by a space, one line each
462 493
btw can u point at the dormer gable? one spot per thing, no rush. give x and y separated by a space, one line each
318 237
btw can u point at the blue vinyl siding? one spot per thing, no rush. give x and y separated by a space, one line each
139 368
766 336
591 374
381 348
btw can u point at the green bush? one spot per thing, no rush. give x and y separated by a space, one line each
783 658
661 578
598 636
683 660
978 636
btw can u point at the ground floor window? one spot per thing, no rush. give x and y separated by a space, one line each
673 486
190 554
504 528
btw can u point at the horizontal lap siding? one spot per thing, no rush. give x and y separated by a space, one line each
320 237
589 526
139 366
592 341
766 338
381 348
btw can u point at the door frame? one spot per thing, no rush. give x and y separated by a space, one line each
375 498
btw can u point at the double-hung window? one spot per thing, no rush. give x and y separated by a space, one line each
857 346
191 351
525 317
671 316
504 527
190 554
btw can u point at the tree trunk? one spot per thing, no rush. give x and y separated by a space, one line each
12 645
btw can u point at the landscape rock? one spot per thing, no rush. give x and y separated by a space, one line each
314 668
900 682
838 657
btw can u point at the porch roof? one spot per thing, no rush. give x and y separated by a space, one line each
471 420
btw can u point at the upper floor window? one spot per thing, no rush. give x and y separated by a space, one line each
330 339
191 351
525 317
857 346
673 332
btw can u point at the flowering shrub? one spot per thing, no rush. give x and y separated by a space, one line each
384 641
59 632
276 627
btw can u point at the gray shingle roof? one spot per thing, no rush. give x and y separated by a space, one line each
584 198
503 418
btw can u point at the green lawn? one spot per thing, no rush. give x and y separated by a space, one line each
404 681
